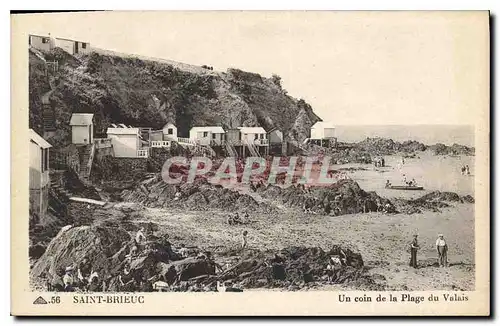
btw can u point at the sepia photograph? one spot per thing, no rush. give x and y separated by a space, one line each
254 152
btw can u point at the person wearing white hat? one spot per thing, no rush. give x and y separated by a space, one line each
68 279
442 250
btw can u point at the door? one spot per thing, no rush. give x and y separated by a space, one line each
90 134
76 47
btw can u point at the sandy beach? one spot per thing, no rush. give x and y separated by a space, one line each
382 239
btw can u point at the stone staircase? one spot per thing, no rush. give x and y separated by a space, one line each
58 188
60 196
48 112
231 151
210 151
86 154
252 148
48 118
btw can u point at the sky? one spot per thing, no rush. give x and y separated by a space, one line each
354 68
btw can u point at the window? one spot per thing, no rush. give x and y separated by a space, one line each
213 136
170 131
45 40
84 45
205 134
41 159
256 136
261 136
44 159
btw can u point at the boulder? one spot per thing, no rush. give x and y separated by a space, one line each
69 248
192 267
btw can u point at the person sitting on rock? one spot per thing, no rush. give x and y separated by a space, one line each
379 205
329 272
245 218
308 205
140 238
335 264
132 253
94 283
171 276
84 271
145 285
202 255
68 280
125 279
183 251
237 219
207 255
343 258
55 283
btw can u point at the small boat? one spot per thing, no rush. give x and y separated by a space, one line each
406 187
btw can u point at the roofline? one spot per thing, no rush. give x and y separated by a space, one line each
239 128
132 131
39 35
41 143
68 39
207 127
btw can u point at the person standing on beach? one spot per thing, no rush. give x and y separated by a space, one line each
413 251
244 240
442 250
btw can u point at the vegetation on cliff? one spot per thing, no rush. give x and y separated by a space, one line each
149 93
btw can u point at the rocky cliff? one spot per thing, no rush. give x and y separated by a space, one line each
148 92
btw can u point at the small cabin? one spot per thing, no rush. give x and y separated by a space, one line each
322 130
126 141
255 135
39 180
169 132
210 135
41 42
82 128
275 136
72 46
156 135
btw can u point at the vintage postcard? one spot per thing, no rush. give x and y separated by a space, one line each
310 163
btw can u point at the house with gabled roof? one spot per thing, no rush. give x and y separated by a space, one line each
207 135
72 46
39 180
82 128
254 135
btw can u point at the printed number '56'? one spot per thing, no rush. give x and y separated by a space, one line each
55 300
